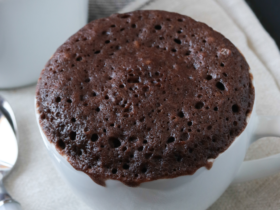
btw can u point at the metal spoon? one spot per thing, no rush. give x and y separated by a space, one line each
8 152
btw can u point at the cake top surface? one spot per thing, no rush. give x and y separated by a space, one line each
144 95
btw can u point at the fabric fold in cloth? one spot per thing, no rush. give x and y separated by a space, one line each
37 185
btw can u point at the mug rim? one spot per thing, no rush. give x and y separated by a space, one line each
62 157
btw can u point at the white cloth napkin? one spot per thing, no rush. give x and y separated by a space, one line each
37 185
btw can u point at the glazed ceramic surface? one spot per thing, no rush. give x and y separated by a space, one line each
30 31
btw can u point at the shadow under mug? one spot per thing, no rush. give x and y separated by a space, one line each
30 31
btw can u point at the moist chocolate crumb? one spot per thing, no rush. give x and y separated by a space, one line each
144 95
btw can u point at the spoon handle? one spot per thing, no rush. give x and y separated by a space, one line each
10 205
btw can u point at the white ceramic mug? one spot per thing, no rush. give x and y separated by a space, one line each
30 31
197 191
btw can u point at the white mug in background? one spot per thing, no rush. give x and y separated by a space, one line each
30 31
197 191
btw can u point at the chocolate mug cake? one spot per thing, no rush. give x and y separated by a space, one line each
143 96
